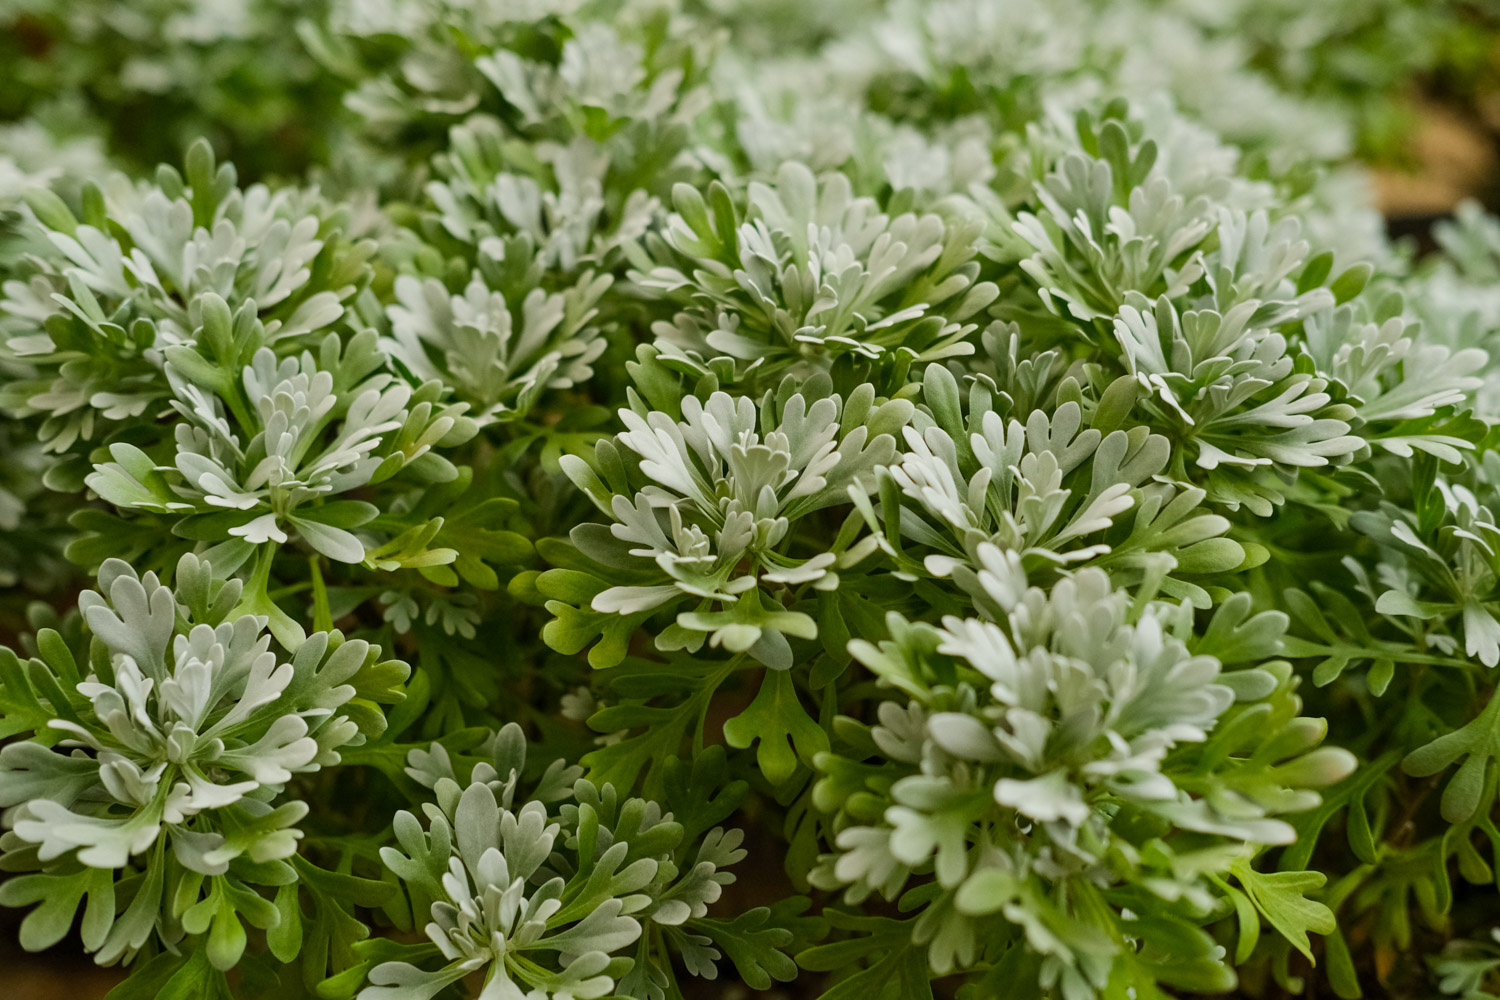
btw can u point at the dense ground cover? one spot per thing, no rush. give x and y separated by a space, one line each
564 499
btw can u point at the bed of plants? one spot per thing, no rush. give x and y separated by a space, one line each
571 499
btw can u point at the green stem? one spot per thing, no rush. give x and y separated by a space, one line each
704 697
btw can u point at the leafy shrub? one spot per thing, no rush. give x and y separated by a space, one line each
929 499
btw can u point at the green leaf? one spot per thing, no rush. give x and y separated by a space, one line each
1478 743
700 791
327 930
21 709
1281 897
481 538
781 726
1315 272
756 940
170 976
571 630
1349 284
340 513
58 897
897 971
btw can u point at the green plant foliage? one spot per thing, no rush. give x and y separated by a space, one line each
185 728
629 499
